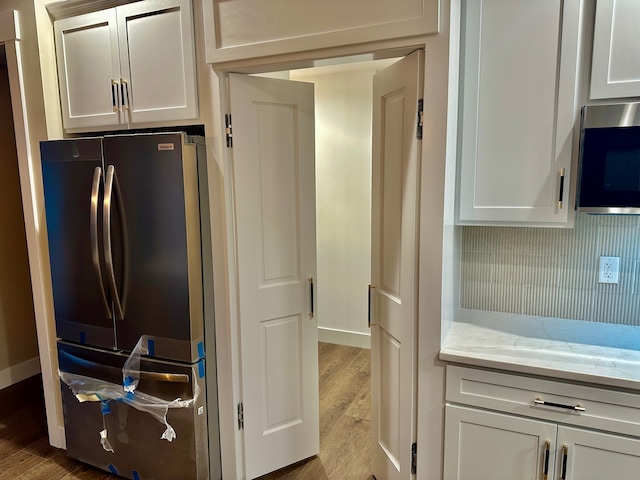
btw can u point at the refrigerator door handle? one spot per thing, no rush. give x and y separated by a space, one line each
107 369
112 186
95 190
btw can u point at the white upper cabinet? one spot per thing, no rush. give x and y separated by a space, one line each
518 107
243 29
615 68
132 64
88 69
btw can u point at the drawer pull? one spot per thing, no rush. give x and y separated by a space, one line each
575 408
547 448
565 454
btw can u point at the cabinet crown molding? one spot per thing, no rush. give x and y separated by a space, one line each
72 8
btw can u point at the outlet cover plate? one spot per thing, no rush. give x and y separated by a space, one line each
609 270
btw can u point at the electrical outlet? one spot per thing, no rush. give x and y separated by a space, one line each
609 270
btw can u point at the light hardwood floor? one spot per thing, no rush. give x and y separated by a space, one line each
25 453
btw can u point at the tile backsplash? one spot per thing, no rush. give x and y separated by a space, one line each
553 272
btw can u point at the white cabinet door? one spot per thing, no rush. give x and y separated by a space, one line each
518 110
589 455
274 195
157 60
133 64
88 69
615 69
488 446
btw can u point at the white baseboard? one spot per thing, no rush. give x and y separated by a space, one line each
19 372
344 337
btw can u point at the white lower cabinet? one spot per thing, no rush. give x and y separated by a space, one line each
493 446
483 445
499 435
596 455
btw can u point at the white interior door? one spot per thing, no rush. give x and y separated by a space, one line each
274 193
394 265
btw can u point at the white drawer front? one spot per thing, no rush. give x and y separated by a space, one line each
564 403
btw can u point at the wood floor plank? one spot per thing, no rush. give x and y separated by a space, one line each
338 398
347 454
18 463
360 407
41 448
54 468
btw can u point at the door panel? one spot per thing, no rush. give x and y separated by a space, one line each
283 399
395 175
82 312
390 401
274 188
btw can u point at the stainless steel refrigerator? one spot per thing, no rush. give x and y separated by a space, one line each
129 247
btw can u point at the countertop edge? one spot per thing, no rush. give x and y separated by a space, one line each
483 342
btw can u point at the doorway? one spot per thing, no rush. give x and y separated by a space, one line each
273 173
343 157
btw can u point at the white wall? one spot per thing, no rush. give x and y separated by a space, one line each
343 104
18 345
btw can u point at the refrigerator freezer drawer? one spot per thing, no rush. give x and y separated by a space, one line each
134 434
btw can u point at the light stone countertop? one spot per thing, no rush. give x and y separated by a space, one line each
591 352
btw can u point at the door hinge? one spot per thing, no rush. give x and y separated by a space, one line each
420 115
228 131
414 458
240 416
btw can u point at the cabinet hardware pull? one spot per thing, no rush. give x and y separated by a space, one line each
114 94
547 447
561 190
126 106
311 296
577 407
565 453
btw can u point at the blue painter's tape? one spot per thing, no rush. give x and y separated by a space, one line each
151 347
135 475
201 369
106 409
113 469
130 395
83 338
200 350
128 380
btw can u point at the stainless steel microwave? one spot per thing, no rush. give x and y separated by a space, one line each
609 166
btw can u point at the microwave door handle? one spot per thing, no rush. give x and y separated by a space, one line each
95 255
112 186
108 369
